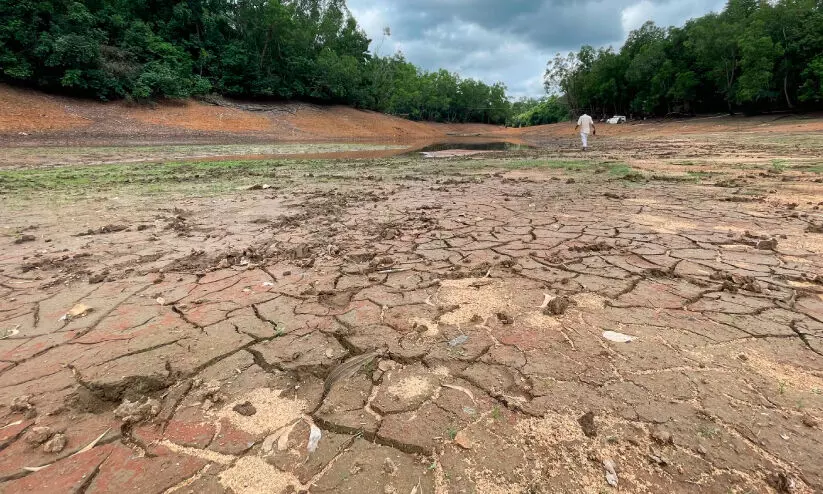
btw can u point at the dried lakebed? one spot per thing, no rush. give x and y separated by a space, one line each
550 328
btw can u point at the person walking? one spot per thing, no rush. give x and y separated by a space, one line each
586 126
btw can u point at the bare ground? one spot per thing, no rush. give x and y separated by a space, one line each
474 300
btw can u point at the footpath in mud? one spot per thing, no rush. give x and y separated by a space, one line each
500 330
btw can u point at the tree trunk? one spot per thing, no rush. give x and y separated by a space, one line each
786 91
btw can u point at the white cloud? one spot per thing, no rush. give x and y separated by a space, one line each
509 41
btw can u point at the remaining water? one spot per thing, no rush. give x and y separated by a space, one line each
475 146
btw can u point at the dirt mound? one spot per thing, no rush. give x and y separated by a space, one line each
27 111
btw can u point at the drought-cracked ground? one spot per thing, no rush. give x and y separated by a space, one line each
444 326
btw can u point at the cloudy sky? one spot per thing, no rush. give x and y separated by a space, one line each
509 40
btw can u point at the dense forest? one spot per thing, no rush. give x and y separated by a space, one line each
754 56
273 49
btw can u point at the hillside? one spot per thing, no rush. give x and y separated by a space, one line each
33 117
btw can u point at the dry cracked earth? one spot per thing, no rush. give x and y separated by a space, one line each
511 331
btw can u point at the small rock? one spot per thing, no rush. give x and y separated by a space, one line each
570 181
389 466
24 238
39 435
21 404
137 411
76 312
662 436
463 440
245 409
504 318
770 244
702 449
387 365
211 392
611 473
781 482
55 444
809 421
98 278
658 459
557 306
587 424
329 353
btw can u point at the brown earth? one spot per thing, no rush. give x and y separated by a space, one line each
488 299
31 118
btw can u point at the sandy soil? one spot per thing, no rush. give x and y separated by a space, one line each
485 300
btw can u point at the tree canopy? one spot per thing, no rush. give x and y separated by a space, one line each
274 49
754 56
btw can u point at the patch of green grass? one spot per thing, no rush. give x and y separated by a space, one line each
779 166
618 169
452 432
684 163
148 177
815 168
674 178
497 414
568 165
621 171
708 432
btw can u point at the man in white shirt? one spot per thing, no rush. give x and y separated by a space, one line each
586 126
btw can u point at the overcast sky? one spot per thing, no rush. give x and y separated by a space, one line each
509 40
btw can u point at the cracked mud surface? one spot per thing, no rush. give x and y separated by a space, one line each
484 379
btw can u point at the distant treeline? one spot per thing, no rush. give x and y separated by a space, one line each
265 49
754 56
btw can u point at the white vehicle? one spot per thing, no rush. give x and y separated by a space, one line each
617 119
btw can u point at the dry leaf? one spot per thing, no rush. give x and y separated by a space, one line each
93 443
314 438
548 298
618 337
